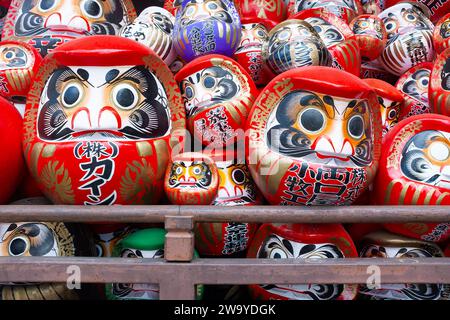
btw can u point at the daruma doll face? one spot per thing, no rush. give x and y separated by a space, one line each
97 132
308 141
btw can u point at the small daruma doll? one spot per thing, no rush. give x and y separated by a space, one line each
141 244
302 241
337 36
382 244
314 137
371 35
390 100
249 52
98 122
414 85
205 27
439 89
191 178
415 170
217 94
19 63
441 34
236 188
294 43
153 28
409 36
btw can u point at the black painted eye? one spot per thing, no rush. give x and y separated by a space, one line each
238 176
356 126
410 17
312 120
18 246
9 55
278 253
72 95
92 8
125 96
189 93
46 5
209 82
392 114
212 6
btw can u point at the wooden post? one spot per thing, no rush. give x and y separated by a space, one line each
179 245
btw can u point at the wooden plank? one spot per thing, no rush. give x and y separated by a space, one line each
145 214
225 271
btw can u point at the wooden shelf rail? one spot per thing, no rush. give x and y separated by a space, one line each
179 273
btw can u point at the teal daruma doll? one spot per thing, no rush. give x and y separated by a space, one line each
148 244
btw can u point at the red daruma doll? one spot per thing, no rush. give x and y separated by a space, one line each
439 89
220 179
314 137
217 95
415 170
98 123
302 241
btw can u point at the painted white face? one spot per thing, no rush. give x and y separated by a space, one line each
27 239
329 33
331 5
253 37
140 291
190 175
404 18
14 57
322 129
400 291
207 87
236 186
277 247
103 103
426 158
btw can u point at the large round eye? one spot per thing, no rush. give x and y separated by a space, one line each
392 114
410 17
391 26
364 24
98 250
190 11
284 35
439 151
212 6
209 82
128 253
72 95
277 253
92 8
423 82
178 170
260 33
125 96
238 176
9 55
46 5
312 120
189 92
18 246
197 170
356 126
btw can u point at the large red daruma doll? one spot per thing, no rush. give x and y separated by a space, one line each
217 94
415 170
314 137
98 123
302 241
439 88
11 162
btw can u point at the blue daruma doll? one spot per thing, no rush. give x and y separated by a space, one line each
206 26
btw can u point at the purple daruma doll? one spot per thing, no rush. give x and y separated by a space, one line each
206 26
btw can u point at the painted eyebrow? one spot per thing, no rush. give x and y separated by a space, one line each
120 78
